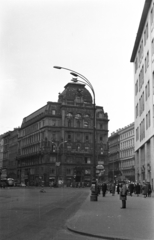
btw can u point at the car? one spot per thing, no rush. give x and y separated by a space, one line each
22 184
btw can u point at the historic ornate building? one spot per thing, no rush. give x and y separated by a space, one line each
56 141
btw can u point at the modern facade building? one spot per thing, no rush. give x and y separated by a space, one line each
127 153
56 141
143 59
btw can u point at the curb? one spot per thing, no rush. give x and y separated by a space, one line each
98 236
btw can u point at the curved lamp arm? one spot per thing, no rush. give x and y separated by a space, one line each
76 74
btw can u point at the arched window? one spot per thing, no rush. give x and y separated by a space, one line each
78 123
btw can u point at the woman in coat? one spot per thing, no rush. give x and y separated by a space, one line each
123 194
145 190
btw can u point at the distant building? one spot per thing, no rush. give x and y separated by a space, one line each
121 154
1 151
143 59
127 154
114 158
56 141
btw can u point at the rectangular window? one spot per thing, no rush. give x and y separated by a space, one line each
145 92
151 16
69 137
149 118
87 137
144 37
147 33
147 59
53 112
148 89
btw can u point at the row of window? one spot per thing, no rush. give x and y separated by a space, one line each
139 109
31 139
139 56
52 159
127 163
152 15
127 134
127 153
126 144
140 132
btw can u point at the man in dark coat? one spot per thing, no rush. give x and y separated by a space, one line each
138 189
131 188
104 188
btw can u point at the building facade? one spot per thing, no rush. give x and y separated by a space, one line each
56 141
127 153
143 59
121 154
1 151
114 159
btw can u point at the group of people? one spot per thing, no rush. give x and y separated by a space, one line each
137 189
123 189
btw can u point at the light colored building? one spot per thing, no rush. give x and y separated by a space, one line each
143 59
127 156
121 154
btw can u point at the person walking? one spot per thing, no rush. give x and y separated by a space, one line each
149 189
138 189
123 194
118 188
131 188
145 189
104 188
113 189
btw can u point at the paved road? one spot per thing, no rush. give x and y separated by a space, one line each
28 214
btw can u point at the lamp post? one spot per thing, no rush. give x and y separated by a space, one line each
57 162
84 80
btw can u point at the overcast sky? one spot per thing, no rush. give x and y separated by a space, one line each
92 37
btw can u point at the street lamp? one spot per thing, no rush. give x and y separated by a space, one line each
57 162
84 80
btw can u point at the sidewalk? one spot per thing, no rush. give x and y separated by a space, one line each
106 219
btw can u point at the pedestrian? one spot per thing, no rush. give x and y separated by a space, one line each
138 189
123 194
118 188
131 188
104 189
145 189
149 189
113 189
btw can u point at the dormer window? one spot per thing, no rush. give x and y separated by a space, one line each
53 112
